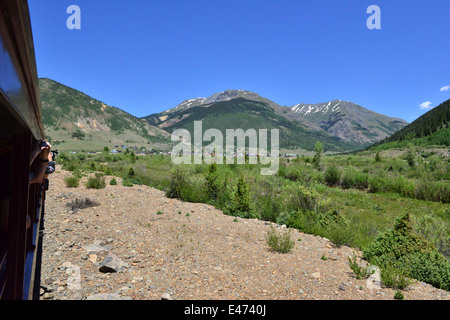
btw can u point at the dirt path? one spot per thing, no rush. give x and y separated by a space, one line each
189 251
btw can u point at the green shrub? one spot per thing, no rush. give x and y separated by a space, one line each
190 189
131 173
377 157
359 270
107 170
435 231
318 148
399 295
395 278
311 214
96 182
409 254
433 191
113 182
401 185
377 184
424 189
340 233
307 198
361 180
178 181
293 173
194 190
127 182
81 156
430 267
212 187
352 178
279 241
242 196
224 197
332 176
241 203
72 181
282 171
410 158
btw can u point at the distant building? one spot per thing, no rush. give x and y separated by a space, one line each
290 155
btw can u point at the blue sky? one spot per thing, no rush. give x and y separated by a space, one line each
146 56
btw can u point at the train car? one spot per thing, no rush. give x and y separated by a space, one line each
21 131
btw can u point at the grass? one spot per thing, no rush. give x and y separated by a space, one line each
96 140
359 270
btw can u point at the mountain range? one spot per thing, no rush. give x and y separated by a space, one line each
339 125
77 121
350 122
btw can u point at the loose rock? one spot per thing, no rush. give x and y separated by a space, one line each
111 263
166 296
107 296
315 275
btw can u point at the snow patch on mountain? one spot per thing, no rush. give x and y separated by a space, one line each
305 109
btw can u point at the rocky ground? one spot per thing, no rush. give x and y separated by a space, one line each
134 243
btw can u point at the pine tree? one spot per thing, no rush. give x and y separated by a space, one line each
131 173
318 148
377 157
242 196
211 184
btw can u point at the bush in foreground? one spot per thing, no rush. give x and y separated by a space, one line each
96 182
72 181
409 254
178 181
332 176
279 241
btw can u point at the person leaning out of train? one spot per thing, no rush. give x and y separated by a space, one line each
45 165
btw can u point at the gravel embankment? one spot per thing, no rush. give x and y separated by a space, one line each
137 244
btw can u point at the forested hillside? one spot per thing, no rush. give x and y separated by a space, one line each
430 129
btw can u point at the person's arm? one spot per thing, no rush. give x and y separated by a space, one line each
51 164
43 160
